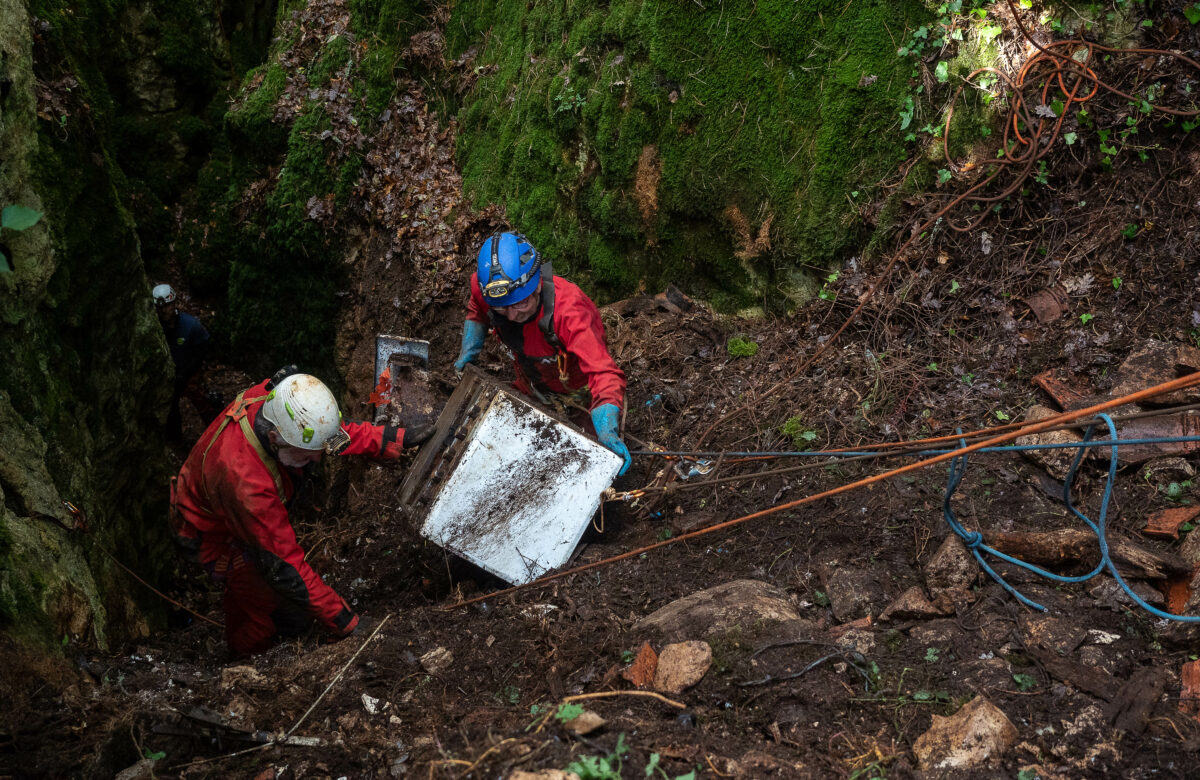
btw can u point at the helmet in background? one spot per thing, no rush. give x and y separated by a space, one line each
163 294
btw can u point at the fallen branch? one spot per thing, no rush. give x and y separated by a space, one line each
1074 545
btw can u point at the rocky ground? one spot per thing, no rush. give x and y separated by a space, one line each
855 636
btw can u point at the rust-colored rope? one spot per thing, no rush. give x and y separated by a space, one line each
1035 427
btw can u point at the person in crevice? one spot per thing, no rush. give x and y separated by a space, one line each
188 342
551 328
229 505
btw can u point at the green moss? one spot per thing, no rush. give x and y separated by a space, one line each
334 56
729 649
283 280
753 105
740 347
251 129
386 25
249 28
801 435
81 353
607 265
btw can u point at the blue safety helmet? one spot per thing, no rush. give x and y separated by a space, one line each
509 269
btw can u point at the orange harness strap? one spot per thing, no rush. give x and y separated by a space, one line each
238 411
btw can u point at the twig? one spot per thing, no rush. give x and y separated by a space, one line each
708 760
302 717
606 695
339 675
486 753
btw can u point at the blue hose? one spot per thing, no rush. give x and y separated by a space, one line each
974 540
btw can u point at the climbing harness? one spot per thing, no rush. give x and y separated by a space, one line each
238 411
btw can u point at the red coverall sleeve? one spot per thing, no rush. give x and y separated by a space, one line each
379 441
581 333
477 308
257 516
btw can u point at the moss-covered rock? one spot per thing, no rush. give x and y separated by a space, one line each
775 110
84 372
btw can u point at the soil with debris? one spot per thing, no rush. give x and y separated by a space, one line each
843 633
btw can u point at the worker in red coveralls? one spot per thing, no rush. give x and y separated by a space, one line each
552 330
229 505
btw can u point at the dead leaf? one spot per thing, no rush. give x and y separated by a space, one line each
1189 696
1165 524
641 671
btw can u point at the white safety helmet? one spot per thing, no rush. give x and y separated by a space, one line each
163 294
305 413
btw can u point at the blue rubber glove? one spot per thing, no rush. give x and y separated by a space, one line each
604 419
473 336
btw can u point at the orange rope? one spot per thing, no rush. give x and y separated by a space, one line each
1030 428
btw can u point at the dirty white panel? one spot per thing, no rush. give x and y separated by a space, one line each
522 493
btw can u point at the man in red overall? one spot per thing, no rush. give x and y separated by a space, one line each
552 329
229 505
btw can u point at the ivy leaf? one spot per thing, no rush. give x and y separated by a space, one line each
1192 12
944 176
942 72
19 217
568 712
906 114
